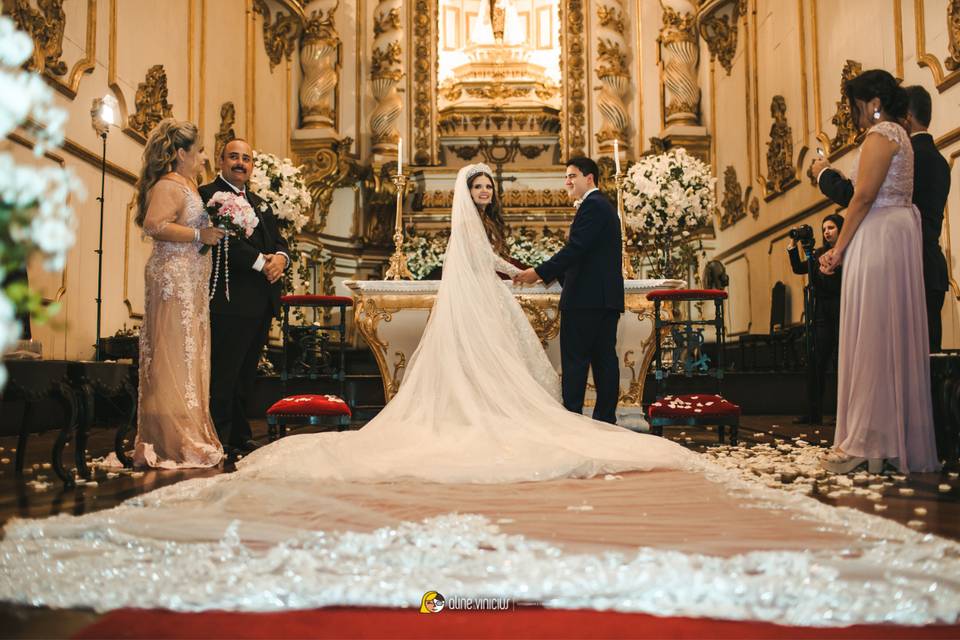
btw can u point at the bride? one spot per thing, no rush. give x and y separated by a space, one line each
480 400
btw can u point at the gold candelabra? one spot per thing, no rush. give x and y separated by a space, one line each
628 271
398 261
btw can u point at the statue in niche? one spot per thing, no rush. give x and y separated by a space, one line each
780 171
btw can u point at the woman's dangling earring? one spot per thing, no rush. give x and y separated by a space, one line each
876 114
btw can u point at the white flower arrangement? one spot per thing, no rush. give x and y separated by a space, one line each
425 252
281 184
666 198
35 212
531 249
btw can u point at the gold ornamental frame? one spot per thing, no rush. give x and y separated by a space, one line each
422 16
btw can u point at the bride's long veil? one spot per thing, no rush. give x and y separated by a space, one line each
480 401
477 332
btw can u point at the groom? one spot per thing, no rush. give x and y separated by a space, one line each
589 268
239 326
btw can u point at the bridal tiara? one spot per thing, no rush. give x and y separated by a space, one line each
479 168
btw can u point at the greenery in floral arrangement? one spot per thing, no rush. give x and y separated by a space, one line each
532 248
281 184
35 213
424 252
667 198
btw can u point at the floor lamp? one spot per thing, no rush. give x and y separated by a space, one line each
103 116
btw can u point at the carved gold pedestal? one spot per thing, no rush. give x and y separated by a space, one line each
391 316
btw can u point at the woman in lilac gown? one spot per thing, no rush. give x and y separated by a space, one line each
884 410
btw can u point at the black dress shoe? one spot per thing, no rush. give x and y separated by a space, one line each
247 446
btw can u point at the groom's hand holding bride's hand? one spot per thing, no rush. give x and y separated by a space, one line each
527 276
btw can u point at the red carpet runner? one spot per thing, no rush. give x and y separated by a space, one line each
409 623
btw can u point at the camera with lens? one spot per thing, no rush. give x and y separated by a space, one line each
802 234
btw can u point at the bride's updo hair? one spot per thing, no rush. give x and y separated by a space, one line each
160 157
492 216
877 83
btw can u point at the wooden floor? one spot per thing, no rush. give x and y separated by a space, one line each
27 498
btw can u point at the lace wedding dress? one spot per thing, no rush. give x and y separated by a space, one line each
174 427
437 494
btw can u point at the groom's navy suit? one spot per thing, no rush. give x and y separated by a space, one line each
589 268
239 327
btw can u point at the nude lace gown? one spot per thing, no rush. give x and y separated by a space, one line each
174 428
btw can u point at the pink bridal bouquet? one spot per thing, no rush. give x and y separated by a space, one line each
234 214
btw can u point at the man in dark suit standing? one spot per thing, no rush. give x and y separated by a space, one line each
239 326
931 186
589 268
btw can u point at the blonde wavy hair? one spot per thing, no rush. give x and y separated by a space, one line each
160 156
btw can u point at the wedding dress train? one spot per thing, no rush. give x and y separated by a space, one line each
436 494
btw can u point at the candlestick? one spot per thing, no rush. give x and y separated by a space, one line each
616 155
400 156
627 267
398 269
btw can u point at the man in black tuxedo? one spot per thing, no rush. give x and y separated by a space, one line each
589 268
931 185
239 326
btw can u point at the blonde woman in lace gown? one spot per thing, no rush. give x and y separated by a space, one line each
174 428
884 407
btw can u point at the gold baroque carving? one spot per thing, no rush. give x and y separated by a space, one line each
575 108
847 130
382 61
279 36
720 34
228 118
681 24
424 49
780 172
546 327
386 21
46 27
521 198
326 169
953 31
320 61
613 61
755 208
733 207
944 79
150 103
611 18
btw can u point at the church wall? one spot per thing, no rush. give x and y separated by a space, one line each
204 46
798 49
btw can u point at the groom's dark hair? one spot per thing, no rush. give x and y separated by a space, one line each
586 166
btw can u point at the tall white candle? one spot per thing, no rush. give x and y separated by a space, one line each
400 157
616 154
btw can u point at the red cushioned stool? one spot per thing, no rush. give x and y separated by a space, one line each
307 355
688 359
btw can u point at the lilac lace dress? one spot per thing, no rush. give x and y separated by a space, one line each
174 428
883 392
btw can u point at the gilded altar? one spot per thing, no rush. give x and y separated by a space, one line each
391 316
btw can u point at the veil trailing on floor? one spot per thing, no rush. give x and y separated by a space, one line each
410 503
479 401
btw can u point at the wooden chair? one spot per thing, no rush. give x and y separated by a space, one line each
689 360
307 355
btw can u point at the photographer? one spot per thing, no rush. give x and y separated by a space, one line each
825 290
